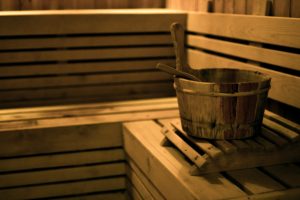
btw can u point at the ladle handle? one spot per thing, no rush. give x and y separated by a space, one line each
177 33
173 71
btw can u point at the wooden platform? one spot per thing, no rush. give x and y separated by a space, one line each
165 172
277 144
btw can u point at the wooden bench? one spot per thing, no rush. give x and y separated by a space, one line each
73 151
266 44
59 57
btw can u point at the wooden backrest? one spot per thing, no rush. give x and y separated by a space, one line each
52 57
266 44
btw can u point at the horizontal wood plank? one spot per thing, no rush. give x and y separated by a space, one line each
272 30
264 55
81 80
81 67
254 181
85 41
101 91
118 195
85 54
100 21
90 105
87 112
61 160
61 175
53 140
63 189
283 85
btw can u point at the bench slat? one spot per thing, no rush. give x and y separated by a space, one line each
85 41
272 30
85 54
283 85
274 57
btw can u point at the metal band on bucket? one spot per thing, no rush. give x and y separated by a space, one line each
220 94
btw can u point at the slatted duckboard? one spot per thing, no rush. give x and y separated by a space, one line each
278 143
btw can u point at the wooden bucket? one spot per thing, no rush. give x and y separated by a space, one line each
227 104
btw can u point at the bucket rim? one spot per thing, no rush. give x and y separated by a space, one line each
265 77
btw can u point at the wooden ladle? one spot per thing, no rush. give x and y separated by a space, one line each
176 72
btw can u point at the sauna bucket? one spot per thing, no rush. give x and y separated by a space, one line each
226 104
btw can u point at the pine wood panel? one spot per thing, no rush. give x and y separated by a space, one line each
59 139
74 22
282 8
91 105
64 189
167 169
60 175
255 181
61 160
277 31
282 84
84 54
85 41
85 92
274 57
289 174
82 67
56 81
132 167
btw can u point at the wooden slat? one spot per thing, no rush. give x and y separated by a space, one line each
81 80
144 179
72 22
59 139
274 57
61 160
295 6
168 170
62 189
278 31
229 6
218 6
260 7
85 41
225 146
287 133
282 84
86 120
204 145
282 8
134 194
84 100
137 183
268 146
282 195
288 174
254 181
88 112
60 175
101 196
91 105
84 54
81 67
281 120
240 6
273 137
182 146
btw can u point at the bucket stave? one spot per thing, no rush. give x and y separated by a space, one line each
226 104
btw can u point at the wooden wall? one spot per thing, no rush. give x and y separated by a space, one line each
285 8
78 4
56 57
